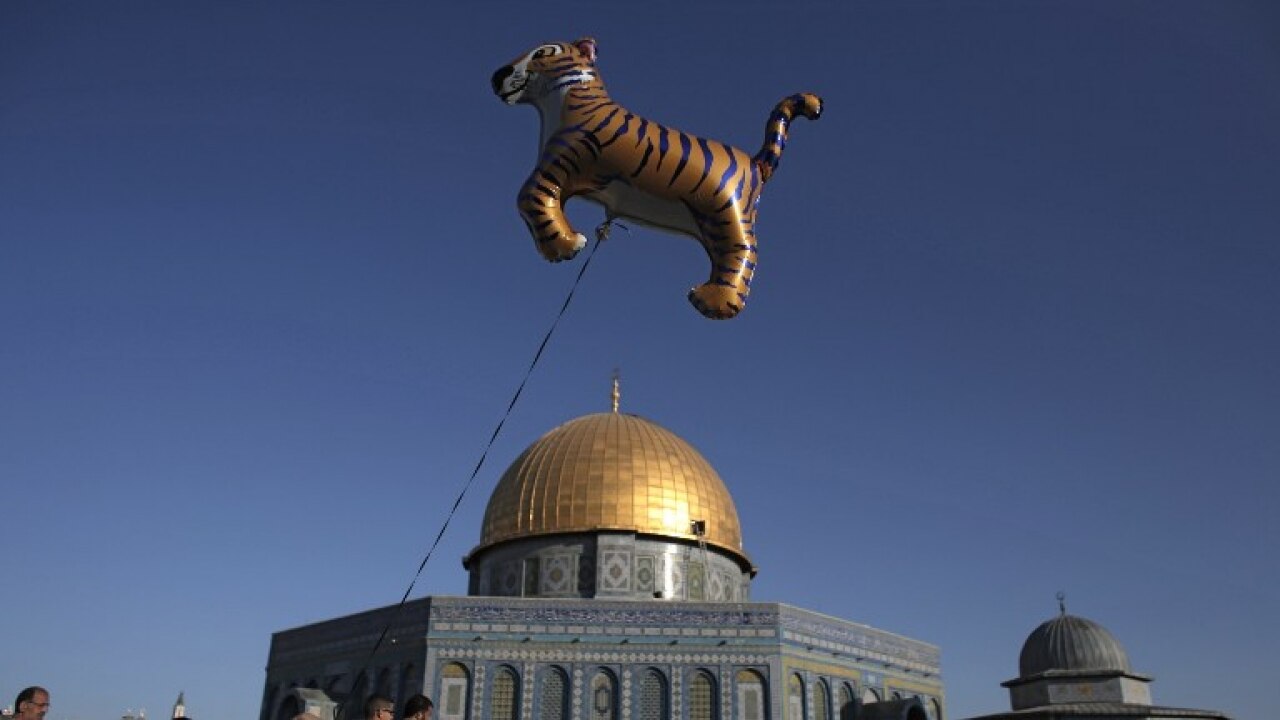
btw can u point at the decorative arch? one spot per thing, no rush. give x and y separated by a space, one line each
408 682
553 700
603 700
288 708
702 696
870 695
504 694
846 706
753 699
354 704
795 698
383 686
654 696
821 700
935 708
455 692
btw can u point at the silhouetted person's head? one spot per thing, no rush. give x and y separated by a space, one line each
417 708
379 707
32 704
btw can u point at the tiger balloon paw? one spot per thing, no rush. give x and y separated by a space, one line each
562 247
718 302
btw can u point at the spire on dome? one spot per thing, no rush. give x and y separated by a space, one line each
617 389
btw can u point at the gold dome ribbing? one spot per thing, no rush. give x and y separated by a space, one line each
610 471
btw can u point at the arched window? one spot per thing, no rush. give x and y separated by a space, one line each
502 699
455 686
604 696
752 703
653 696
846 708
869 695
408 682
555 698
795 698
354 704
383 686
702 697
289 708
821 701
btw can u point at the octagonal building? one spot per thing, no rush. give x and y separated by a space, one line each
610 582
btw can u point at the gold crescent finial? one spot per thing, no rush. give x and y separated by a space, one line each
617 391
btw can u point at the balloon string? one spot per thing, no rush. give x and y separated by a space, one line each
602 233
603 229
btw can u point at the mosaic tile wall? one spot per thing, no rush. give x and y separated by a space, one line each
438 643
608 565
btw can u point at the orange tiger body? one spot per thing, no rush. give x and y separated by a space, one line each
640 170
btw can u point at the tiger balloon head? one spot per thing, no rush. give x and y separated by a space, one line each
545 69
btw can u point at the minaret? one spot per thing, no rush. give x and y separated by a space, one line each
180 707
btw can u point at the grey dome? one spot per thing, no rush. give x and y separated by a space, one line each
1069 643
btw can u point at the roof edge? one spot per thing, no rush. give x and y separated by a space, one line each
1076 675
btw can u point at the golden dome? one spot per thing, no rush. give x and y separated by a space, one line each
610 471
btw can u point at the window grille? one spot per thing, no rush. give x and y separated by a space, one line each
821 701
795 698
553 691
702 698
845 709
653 696
502 704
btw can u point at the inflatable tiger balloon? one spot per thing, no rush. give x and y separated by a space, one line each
640 170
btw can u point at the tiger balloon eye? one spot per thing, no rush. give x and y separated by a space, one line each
641 170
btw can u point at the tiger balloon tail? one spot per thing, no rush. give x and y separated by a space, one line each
641 170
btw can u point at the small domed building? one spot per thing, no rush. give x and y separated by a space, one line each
1072 668
610 582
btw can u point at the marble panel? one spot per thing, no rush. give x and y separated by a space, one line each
557 574
646 574
615 570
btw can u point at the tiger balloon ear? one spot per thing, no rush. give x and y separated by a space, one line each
587 46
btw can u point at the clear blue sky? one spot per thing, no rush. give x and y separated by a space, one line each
264 294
